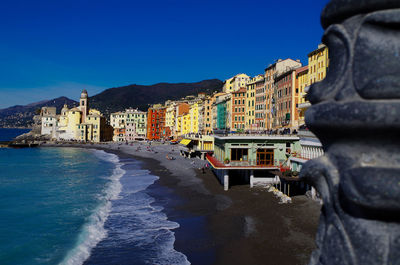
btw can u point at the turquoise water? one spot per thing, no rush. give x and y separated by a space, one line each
53 203
80 206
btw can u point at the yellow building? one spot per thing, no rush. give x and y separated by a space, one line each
302 85
235 83
170 116
185 124
251 87
318 64
91 129
83 124
194 114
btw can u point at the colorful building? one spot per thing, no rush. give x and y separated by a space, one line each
156 129
250 101
118 122
170 116
182 111
301 87
260 103
135 128
270 72
286 100
251 159
238 109
235 83
207 121
318 64
94 128
221 113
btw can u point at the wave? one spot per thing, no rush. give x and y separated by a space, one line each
93 230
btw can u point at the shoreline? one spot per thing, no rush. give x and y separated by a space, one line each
242 225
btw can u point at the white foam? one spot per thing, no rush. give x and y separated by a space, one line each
93 231
153 224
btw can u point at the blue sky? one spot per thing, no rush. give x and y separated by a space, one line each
57 48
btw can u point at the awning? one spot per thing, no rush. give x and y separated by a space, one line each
185 141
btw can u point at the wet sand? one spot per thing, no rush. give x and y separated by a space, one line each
243 225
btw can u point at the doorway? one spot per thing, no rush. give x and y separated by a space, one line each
265 157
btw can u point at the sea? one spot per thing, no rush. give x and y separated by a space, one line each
80 206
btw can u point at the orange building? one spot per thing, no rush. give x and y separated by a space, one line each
238 109
287 98
156 129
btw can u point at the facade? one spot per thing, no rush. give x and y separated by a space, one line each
270 72
260 103
195 116
235 83
78 123
135 128
170 116
220 111
94 128
118 122
156 129
49 121
286 100
302 86
318 64
251 159
250 102
182 110
238 109
207 121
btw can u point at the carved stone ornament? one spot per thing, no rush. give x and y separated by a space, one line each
356 114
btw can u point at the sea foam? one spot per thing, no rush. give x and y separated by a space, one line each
93 230
135 221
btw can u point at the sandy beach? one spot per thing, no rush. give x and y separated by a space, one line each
244 225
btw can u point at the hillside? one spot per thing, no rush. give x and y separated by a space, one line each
140 96
21 116
112 100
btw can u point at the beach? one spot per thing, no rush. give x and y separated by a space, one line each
240 226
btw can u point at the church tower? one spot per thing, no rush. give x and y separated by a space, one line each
84 105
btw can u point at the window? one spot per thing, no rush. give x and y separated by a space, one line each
239 154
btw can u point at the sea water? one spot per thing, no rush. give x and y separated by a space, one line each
8 134
76 206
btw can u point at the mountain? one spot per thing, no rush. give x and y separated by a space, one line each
21 116
140 96
112 100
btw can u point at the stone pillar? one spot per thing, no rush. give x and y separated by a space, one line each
356 115
226 180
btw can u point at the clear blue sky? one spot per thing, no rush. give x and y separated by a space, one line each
55 48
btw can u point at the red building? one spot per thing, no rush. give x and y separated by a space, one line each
156 129
238 109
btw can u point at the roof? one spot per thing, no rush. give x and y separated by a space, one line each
241 90
302 69
317 50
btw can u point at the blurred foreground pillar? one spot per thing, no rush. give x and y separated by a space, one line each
356 115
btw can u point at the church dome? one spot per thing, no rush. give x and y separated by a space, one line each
84 94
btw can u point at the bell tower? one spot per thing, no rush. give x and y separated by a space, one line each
84 105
